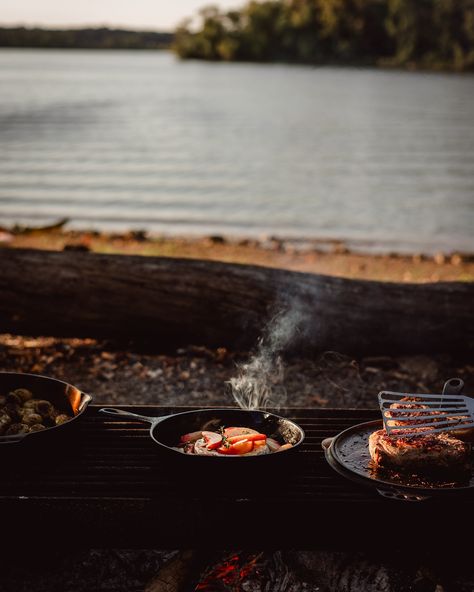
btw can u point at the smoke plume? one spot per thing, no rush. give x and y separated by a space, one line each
258 383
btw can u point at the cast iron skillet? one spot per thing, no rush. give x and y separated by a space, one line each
167 430
65 397
348 454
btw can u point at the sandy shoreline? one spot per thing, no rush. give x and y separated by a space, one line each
324 256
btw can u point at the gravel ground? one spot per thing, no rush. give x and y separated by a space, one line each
199 376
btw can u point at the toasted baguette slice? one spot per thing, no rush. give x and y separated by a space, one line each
435 454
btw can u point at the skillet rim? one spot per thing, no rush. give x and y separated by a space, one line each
86 399
170 449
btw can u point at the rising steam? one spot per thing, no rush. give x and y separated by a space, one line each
258 383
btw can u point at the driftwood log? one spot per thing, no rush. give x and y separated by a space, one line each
171 302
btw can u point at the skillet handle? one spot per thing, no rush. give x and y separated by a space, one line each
130 415
326 443
453 386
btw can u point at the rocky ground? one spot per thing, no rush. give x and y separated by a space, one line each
199 376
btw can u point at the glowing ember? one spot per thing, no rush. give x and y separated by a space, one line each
227 576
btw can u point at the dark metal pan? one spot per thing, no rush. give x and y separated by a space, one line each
167 430
348 454
65 397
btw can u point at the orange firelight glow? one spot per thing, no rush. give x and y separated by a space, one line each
230 572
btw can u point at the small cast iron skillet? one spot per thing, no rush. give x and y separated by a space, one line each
65 397
166 432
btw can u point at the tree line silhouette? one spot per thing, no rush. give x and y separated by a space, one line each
435 34
102 38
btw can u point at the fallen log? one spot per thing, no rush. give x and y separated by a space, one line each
173 302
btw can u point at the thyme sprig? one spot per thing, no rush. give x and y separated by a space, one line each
225 441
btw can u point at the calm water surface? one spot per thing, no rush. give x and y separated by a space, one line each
137 139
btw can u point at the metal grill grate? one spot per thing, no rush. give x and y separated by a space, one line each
103 484
111 458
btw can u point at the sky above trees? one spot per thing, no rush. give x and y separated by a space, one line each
142 14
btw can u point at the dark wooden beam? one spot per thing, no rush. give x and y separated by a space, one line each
173 302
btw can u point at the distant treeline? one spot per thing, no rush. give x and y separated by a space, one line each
435 34
103 38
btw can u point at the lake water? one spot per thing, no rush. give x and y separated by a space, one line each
120 139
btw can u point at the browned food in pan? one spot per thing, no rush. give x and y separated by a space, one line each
233 441
22 413
433 454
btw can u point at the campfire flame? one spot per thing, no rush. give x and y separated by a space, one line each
258 383
229 574
250 571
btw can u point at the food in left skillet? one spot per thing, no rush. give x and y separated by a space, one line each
234 441
22 413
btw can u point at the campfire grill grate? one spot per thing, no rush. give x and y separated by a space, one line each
117 459
107 485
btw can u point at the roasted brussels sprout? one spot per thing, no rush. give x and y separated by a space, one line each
14 399
61 418
5 423
31 418
21 413
31 404
12 410
44 408
17 428
23 394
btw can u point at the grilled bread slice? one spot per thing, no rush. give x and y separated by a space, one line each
433 454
